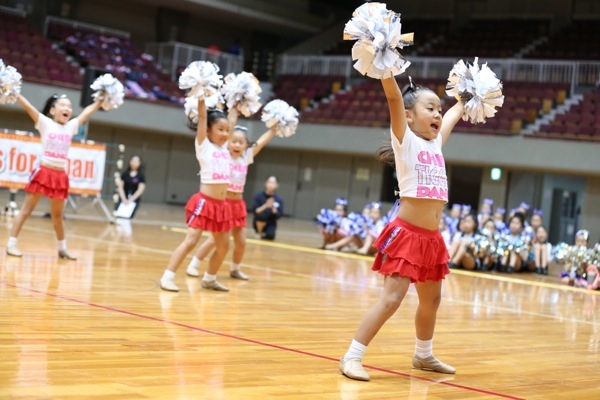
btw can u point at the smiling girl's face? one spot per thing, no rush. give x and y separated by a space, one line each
61 111
425 118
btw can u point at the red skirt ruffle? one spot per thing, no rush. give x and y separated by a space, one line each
238 213
413 252
208 214
49 182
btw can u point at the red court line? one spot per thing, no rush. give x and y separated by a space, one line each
257 342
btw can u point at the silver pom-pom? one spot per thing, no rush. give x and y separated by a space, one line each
282 117
110 90
478 87
10 84
242 92
377 32
202 79
191 109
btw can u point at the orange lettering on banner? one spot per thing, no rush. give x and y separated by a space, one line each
20 155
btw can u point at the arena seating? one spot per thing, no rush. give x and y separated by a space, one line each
580 122
300 90
489 38
33 56
138 71
365 105
577 41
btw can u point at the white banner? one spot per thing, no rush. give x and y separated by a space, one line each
19 155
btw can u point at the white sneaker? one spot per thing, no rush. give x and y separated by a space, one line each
354 369
14 251
192 271
168 284
213 285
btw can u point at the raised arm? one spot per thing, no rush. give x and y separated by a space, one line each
232 118
396 105
450 119
202 120
88 111
262 141
33 113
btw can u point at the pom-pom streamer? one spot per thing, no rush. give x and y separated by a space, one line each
202 80
242 92
282 117
478 87
109 90
10 84
378 35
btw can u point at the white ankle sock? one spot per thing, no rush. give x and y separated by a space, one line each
169 275
209 278
12 241
234 267
424 348
356 350
195 263
62 245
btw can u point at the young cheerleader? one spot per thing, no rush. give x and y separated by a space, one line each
329 221
242 154
459 256
50 178
517 243
411 247
377 224
207 209
542 250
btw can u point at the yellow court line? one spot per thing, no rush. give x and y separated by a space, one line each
368 258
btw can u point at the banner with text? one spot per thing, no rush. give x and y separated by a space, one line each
19 155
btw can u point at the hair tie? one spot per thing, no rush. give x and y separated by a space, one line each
584 233
340 201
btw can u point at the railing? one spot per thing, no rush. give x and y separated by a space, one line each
173 55
575 73
13 11
82 25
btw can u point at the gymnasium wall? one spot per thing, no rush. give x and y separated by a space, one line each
322 162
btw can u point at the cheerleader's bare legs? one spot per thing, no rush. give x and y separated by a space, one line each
31 201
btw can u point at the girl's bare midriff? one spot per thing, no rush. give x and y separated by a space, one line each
52 167
423 213
235 195
217 191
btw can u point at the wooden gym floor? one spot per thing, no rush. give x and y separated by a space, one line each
100 327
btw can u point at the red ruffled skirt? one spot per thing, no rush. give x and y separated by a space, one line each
407 250
50 182
238 213
208 214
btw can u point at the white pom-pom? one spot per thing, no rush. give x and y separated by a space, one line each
202 79
479 87
282 117
191 109
242 92
378 34
10 84
109 90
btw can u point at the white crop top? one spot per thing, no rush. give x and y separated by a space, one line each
420 167
239 171
56 140
214 162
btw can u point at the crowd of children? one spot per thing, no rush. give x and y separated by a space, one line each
488 241
483 241
352 232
